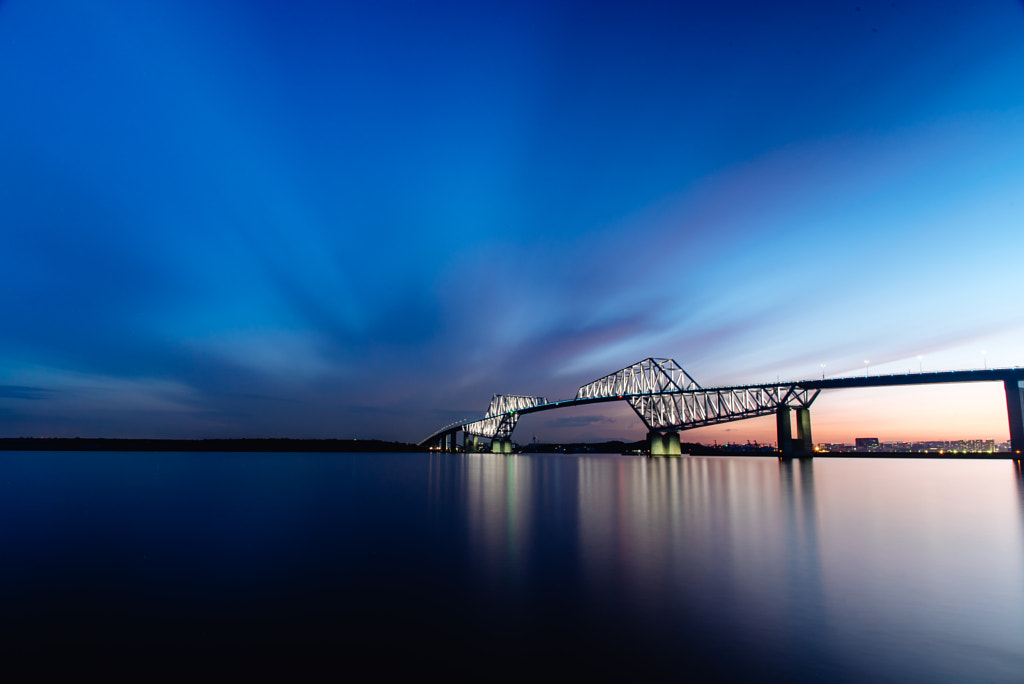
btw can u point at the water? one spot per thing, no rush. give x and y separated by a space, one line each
515 566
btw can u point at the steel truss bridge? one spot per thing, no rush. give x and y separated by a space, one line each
668 400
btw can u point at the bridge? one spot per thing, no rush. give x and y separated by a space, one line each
668 400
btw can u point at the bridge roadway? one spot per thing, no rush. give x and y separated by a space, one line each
931 378
801 446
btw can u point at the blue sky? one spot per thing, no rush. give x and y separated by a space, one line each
320 219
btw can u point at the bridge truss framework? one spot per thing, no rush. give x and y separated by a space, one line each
668 400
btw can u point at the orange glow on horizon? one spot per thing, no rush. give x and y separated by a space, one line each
965 411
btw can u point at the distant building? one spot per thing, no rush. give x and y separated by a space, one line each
867 443
961 446
833 448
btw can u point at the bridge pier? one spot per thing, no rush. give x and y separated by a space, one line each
1015 412
501 446
672 447
803 445
469 443
784 430
656 445
666 444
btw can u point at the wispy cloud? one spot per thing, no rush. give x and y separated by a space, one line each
22 392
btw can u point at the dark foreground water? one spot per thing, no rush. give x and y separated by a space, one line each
510 567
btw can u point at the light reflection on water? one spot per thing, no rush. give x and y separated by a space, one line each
509 565
851 569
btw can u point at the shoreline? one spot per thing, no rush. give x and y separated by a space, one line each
290 445
212 445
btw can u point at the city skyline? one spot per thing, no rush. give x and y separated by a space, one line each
322 220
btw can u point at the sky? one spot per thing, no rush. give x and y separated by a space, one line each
361 220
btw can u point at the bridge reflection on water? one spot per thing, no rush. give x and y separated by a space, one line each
845 569
542 566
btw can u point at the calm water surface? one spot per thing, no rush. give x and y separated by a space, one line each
536 566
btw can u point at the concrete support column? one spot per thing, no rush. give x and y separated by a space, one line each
1015 412
501 446
804 444
657 442
785 430
672 447
469 443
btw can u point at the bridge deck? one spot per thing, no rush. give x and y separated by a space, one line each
936 378
939 377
